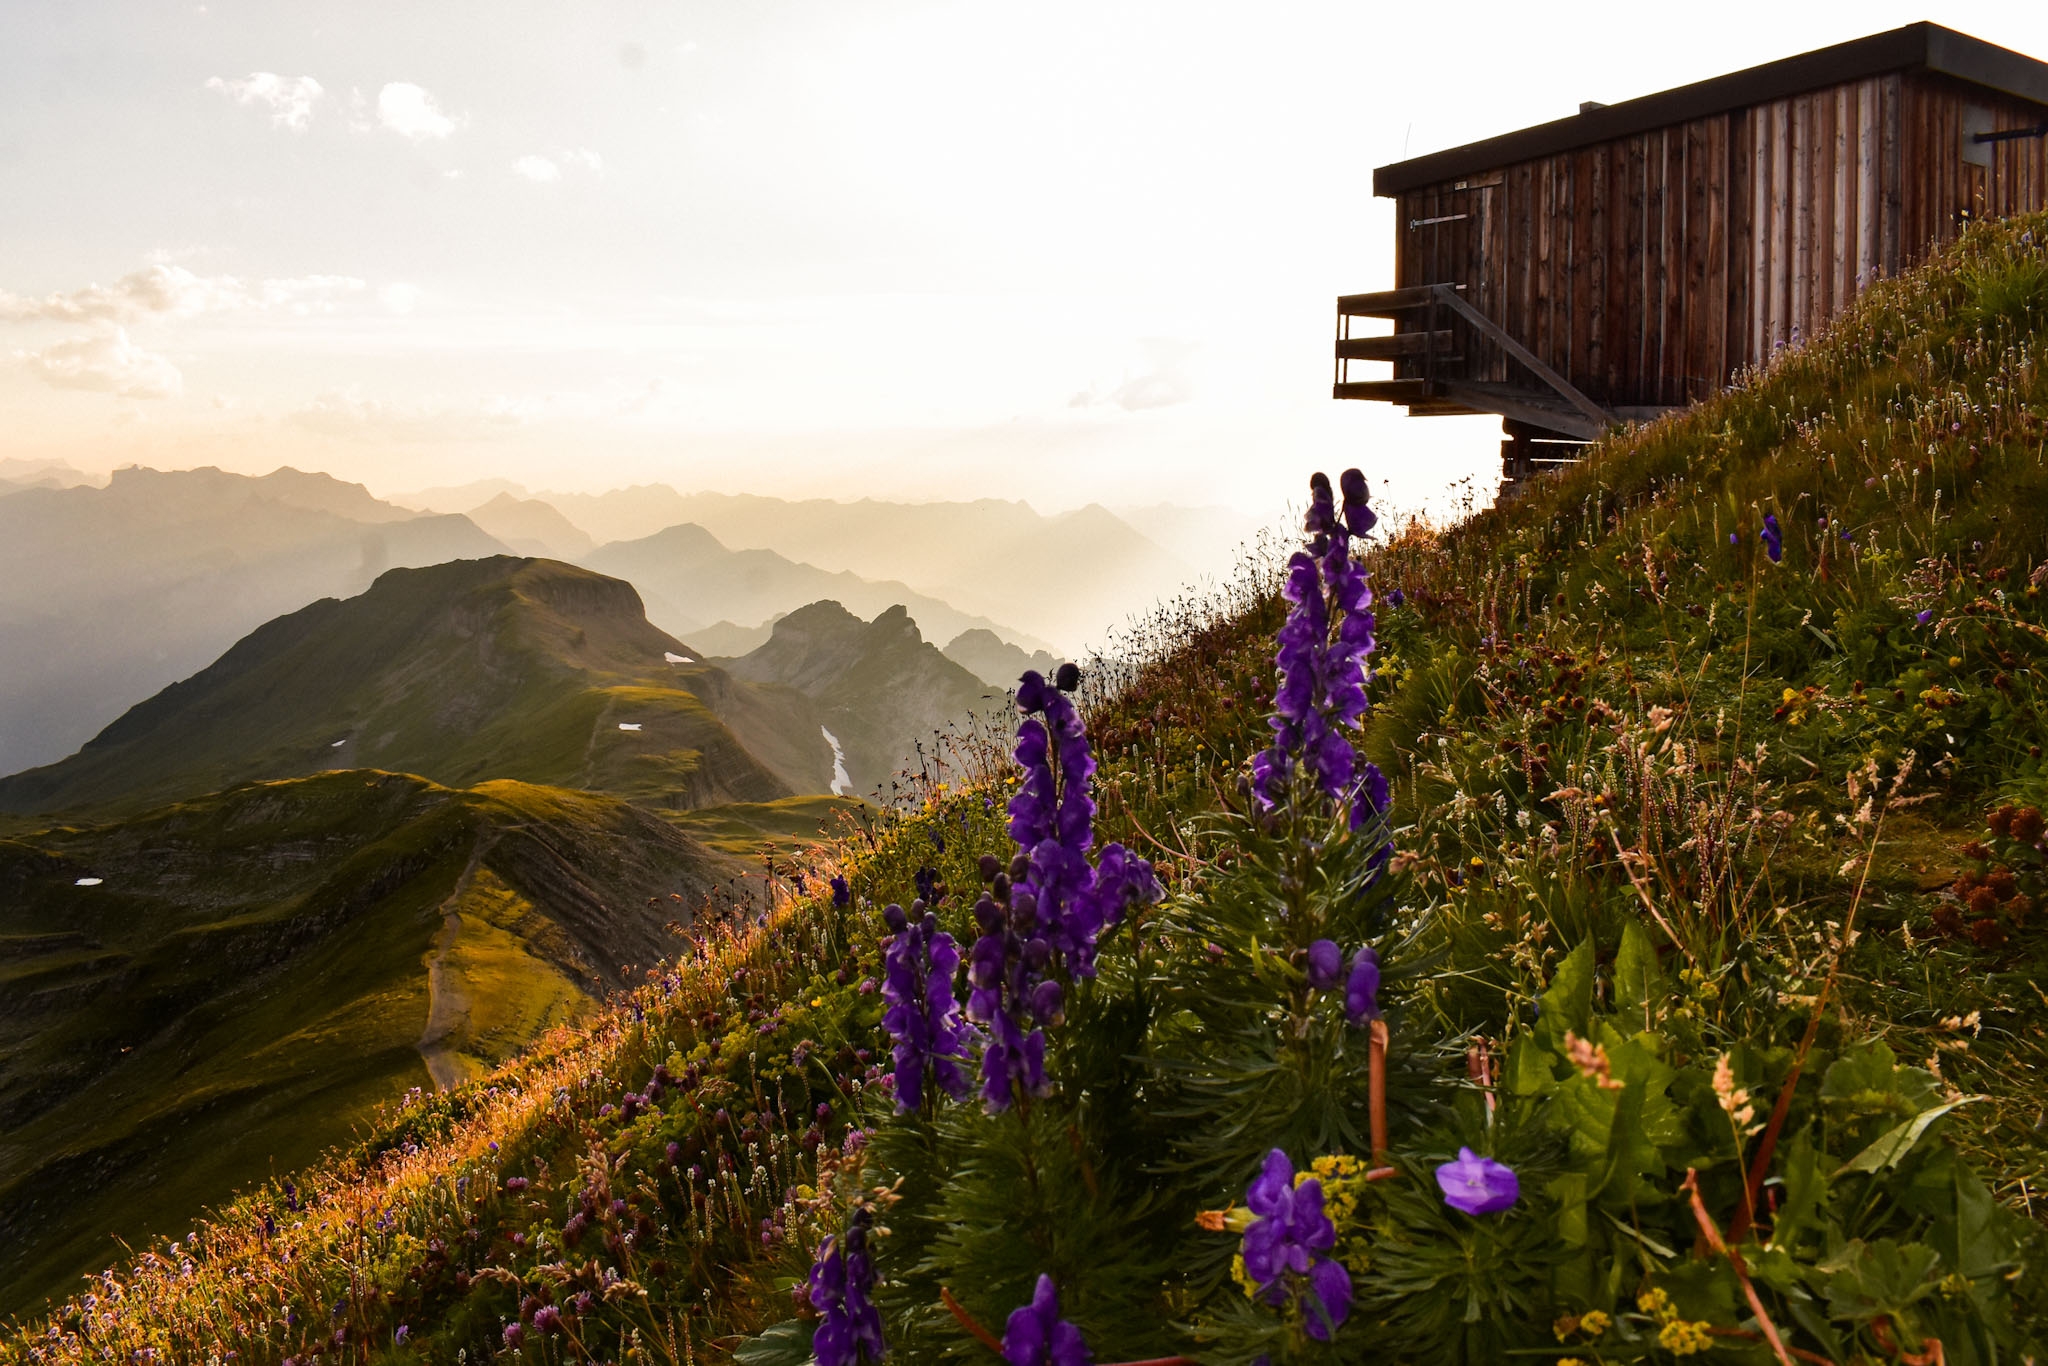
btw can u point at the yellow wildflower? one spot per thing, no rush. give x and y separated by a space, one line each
1593 1323
1655 1302
1684 1338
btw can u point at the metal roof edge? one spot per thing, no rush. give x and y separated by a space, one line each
1923 44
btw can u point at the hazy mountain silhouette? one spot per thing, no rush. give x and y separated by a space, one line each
530 527
996 661
460 672
107 594
1064 579
690 579
879 686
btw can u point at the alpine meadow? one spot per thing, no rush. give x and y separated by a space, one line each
1600 929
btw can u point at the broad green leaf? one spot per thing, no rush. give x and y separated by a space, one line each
785 1344
1569 1190
1529 1070
1569 1002
1639 985
1805 1187
1895 1143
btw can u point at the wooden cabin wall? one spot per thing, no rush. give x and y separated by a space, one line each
1650 269
1824 172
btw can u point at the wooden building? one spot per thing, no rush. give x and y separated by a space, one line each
1634 257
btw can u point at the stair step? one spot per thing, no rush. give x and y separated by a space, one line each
1383 390
1394 347
1385 303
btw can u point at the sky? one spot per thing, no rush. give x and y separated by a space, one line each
1065 252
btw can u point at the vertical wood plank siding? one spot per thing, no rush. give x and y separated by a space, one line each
1650 269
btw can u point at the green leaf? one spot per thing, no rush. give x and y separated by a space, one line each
1569 1190
1806 1188
785 1344
1638 978
1895 1143
1568 1005
1529 1071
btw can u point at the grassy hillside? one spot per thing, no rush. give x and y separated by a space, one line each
1748 833
226 987
463 672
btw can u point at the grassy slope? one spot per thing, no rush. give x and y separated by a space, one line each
248 982
1552 657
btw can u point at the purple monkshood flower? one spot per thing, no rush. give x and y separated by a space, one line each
1325 964
1292 1238
1362 988
1397 598
1478 1185
1321 661
1773 539
1923 617
842 895
1044 926
841 1288
923 1017
1036 1335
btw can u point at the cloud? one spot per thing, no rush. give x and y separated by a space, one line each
1163 384
107 362
410 111
346 413
538 169
163 290
545 170
290 99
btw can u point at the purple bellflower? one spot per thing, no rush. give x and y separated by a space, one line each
1321 660
1036 1335
1292 1238
1773 539
841 1289
1040 921
1362 987
923 1017
1478 1185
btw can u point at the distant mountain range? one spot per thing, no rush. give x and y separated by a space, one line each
531 670
689 580
1066 578
107 594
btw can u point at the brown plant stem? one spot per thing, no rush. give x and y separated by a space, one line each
1713 1236
986 1338
1376 1056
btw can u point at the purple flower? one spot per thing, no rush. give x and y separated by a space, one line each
1397 598
842 895
1043 926
1321 661
1477 1185
1362 988
1288 1245
1325 964
923 1016
841 1288
1773 539
514 1336
1925 616
1734 539
1036 1335
546 1319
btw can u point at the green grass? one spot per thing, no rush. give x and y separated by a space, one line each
248 984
